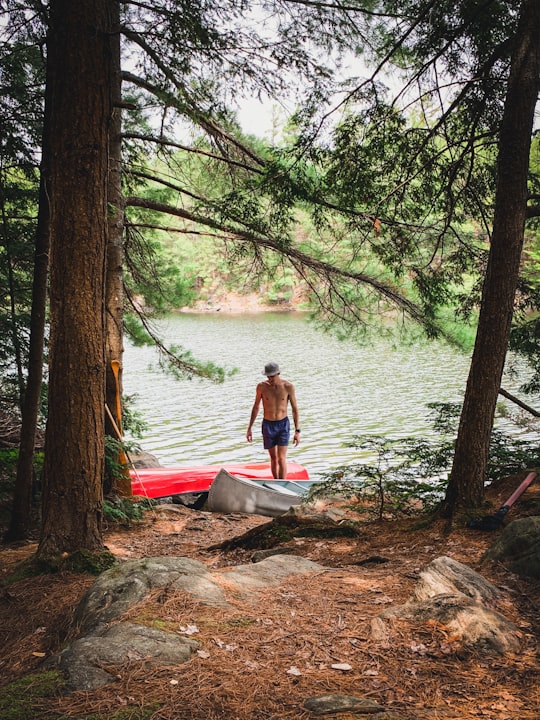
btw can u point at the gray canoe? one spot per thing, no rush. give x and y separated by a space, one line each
233 494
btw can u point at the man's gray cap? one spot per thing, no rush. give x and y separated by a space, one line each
271 369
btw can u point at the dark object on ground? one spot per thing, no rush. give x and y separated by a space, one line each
492 522
372 560
297 522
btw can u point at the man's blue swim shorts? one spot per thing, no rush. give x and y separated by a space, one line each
275 432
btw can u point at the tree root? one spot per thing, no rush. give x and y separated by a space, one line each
285 528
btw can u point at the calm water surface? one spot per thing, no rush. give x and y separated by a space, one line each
342 389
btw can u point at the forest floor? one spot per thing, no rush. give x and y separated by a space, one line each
265 657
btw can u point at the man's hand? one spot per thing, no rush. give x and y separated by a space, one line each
249 436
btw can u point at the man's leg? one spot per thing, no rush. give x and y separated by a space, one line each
273 452
281 462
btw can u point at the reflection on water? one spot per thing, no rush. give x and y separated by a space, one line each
342 389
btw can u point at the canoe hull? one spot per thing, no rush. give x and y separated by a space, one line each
231 494
169 481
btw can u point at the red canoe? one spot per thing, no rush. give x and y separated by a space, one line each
166 481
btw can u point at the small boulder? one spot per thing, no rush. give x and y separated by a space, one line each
144 460
445 576
518 547
476 626
452 594
84 659
337 703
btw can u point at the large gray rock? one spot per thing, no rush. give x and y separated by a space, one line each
518 547
125 584
82 661
269 572
445 576
452 594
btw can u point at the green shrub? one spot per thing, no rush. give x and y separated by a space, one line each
405 476
125 511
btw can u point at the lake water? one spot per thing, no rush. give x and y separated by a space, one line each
342 388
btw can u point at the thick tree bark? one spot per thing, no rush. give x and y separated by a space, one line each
466 485
79 67
114 288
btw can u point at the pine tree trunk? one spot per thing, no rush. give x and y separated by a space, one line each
79 69
114 288
21 514
466 485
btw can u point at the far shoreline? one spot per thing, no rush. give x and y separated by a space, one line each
232 303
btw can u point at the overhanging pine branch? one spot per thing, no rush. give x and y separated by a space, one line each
297 256
518 402
190 149
189 108
189 368
216 130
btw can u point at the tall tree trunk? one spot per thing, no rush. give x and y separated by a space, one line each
21 520
114 288
466 485
79 62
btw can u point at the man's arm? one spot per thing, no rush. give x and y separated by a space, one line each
254 412
295 414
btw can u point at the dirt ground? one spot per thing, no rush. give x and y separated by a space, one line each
309 637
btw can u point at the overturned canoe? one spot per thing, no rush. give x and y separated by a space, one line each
169 481
229 493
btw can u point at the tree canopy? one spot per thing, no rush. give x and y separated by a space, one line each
407 178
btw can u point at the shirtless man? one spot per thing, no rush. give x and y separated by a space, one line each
275 394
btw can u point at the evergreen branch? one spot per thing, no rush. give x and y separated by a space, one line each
500 51
322 268
518 402
190 368
342 7
191 111
370 217
382 64
165 183
190 149
218 130
170 229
